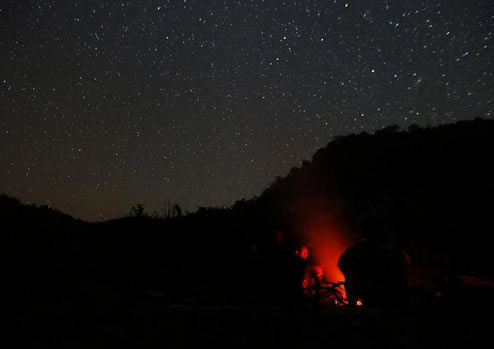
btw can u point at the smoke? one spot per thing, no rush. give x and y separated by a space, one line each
320 225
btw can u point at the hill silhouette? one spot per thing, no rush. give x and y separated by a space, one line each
429 190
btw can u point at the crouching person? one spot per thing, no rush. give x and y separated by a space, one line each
374 273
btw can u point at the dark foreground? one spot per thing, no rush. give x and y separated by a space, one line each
76 284
109 320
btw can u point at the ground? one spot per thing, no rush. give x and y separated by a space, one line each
144 320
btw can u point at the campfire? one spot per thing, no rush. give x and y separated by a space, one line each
315 283
316 223
376 273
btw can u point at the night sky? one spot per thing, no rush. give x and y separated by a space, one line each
107 104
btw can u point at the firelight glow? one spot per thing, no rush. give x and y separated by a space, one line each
327 247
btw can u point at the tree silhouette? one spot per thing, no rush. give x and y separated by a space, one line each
137 211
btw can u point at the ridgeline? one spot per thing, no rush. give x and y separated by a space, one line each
430 189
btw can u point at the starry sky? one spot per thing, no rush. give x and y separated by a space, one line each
105 104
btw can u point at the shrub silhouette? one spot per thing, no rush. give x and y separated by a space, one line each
137 210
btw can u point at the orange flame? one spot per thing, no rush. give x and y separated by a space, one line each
327 247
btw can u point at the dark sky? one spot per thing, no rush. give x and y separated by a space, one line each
107 104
